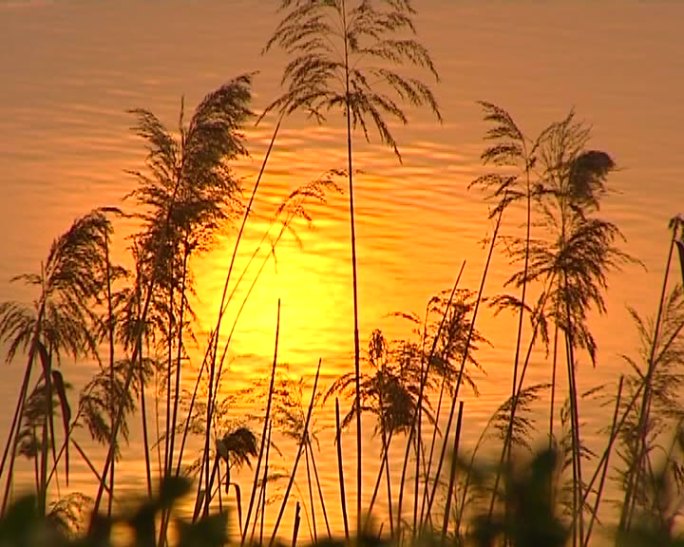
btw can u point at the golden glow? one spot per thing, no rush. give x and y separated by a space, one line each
65 142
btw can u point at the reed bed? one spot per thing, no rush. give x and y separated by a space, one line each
520 484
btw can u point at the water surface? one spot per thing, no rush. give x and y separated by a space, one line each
70 70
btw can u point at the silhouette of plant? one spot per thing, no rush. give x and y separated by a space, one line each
647 427
654 518
185 194
390 391
529 517
60 321
235 449
476 488
514 157
24 525
104 391
564 183
341 58
575 258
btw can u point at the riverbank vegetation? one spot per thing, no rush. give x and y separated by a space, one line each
523 483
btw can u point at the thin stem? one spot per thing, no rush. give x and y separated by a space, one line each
599 492
464 359
90 465
146 442
310 491
320 491
169 375
19 412
381 473
305 434
261 498
12 439
421 393
110 336
452 475
340 469
297 521
357 350
576 444
179 354
634 475
267 424
553 383
433 443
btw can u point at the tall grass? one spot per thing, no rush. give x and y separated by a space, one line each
341 53
138 326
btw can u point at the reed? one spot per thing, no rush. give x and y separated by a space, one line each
234 447
188 191
60 322
320 78
267 425
300 449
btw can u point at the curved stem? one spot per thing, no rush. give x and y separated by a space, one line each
635 472
464 359
300 449
267 424
421 395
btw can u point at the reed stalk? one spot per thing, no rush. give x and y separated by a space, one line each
48 431
338 80
352 227
464 358
309 483
143 419
110 340
321 498
13 441
578 509
452 474
171 429
261 500
90 465
421 395
169 372
378 480
300 449
266 427
552 404
297 521
636 470
433 442
340 469
604 473
217 330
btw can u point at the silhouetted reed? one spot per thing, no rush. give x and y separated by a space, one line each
137 328
341 53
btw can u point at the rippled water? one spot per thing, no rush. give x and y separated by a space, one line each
70 70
